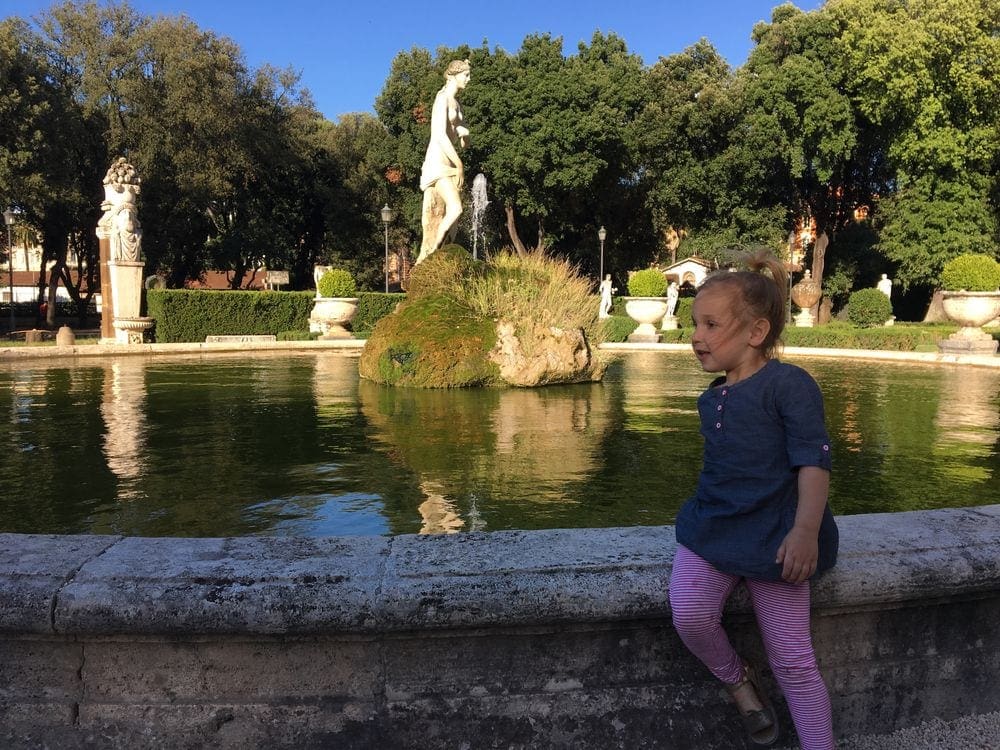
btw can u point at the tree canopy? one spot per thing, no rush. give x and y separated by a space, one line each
872 122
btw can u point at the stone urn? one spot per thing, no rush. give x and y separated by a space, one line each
647 312
971 310
330 315
805 294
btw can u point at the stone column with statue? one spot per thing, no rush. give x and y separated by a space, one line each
120 236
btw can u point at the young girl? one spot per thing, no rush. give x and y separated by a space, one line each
760 511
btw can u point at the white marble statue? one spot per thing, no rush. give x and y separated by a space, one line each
673 292
604 311
443 174
885 286
121 220
119 227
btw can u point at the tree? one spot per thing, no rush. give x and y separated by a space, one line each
926 74
48 145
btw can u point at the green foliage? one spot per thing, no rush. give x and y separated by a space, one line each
971 273
647 282
440 336
184 315
452 264
899 337
297 335
618 327
430 342
336 282
867 308
372 307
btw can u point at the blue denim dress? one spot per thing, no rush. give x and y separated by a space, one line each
758 432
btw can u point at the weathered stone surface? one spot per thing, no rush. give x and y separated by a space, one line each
32 571
519 578
237 585
511 639
544 355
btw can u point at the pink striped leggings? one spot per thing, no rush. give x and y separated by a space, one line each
698 593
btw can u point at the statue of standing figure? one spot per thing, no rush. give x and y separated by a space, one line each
604 311
885 286
673 292
443 174
120 219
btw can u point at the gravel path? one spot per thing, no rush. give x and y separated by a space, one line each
967 733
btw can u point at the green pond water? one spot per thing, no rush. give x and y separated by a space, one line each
296 444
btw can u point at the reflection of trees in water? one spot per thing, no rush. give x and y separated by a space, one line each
908 436
967 424
52 467
483 450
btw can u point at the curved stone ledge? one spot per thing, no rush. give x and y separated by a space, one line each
549 638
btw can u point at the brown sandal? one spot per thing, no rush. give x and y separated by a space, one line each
762 724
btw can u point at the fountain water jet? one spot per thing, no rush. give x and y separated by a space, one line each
480 202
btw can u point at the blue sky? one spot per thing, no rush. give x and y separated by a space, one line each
344 49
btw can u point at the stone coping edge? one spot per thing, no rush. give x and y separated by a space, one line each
204 347
110 585
979 360
354 347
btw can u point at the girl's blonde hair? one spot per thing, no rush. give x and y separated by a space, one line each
759 292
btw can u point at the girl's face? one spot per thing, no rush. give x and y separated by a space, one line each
722 340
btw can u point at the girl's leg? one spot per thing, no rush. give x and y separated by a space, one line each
783 615
698 592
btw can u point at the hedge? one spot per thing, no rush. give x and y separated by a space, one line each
904 337
189 315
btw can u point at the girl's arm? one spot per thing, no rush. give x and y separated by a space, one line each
799 551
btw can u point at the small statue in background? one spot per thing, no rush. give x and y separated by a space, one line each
673 292
604 311
885 286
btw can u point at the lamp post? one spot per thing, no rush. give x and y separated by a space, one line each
387 216
8 219
602 235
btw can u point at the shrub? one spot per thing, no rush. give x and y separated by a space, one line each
184 315
971 273
336 283
649 282
444 270
867 308
372 307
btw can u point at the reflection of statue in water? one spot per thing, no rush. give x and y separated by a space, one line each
120 220
885 286
606 291
443 174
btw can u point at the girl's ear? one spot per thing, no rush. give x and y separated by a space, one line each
759 330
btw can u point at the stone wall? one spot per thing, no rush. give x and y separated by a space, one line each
506 640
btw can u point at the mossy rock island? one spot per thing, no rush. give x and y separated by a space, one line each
510 321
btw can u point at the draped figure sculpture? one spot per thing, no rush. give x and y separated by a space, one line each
442 174
120 219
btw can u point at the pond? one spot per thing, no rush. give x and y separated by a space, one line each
295 444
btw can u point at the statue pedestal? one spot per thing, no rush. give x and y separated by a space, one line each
669 323
126 299
804 319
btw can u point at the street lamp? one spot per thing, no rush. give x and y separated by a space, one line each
8 219
602 235
387 216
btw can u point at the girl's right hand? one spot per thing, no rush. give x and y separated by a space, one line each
798 555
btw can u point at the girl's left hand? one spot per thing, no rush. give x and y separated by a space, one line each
797 555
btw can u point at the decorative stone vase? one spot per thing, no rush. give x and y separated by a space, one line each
647 312
805 294
330 314
971 310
